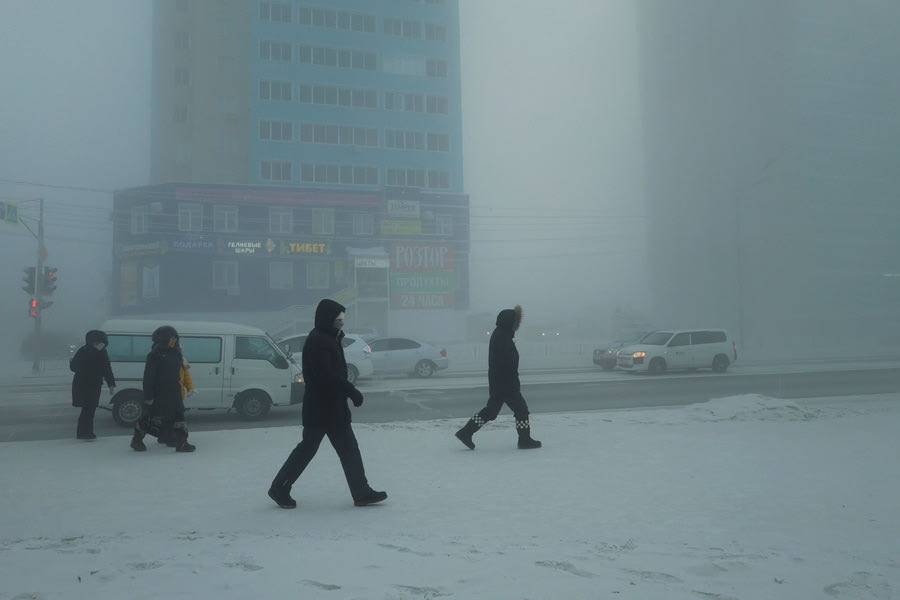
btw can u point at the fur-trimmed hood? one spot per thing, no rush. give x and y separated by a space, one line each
510 318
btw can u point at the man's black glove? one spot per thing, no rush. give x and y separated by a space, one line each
356 397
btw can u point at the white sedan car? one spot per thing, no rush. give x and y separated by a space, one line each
397 355
356 351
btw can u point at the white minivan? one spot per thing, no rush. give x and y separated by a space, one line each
232 366
673 349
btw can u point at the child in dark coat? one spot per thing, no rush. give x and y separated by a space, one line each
91 366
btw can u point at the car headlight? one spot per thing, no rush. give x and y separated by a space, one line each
298 379
640 354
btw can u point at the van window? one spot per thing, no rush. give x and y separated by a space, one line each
657 338
201 349
682 339
128 348
258 348
708 337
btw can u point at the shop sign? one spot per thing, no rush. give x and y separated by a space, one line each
305 247
422 283
148 249
398 227
421 300
372 263
403 209
242 247
202 244
421 257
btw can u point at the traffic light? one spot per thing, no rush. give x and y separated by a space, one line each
48 280
29 280
33 307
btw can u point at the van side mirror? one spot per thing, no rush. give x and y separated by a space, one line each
286 348
280 362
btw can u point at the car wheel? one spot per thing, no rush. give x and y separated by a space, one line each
127 408
253 405
720 363
424 368
352 374
657 366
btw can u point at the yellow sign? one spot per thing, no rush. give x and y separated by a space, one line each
9 212
305 248
398 227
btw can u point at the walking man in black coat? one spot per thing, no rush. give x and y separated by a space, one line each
91 366
163 414
503 383
325 411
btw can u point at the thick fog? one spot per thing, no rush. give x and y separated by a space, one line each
652 163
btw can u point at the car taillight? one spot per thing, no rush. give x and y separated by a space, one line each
444 352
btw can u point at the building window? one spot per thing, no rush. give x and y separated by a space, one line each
182 76
275 90
331 19
438 179
275 50
281 275
225 218
406 177
438 142
140 219
443 224
225 275
182 40
190 217
323 221
343 174
435 67
278 12
435 32
281 219
342 58
275 170
180 113
437 105
278 131
363 224
317 276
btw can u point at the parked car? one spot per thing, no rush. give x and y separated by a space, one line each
679 349
396 355
356 352
605 352
366 333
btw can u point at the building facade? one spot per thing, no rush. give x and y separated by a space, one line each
302 150
771 188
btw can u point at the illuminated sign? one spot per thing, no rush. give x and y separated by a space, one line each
372 263
305 248
404 209
241 247
395 227
421 257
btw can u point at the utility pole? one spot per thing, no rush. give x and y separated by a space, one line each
38 365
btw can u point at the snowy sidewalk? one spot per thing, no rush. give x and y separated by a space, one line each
744 497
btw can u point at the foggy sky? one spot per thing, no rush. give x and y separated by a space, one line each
550 142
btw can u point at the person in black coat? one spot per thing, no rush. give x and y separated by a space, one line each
325 411
91 366
163 414
503 383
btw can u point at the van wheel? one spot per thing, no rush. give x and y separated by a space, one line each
127 408
352 374
424 368
253 405
657 366
720 363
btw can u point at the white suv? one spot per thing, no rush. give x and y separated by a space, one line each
679 349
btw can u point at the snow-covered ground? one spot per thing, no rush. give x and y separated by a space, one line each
744 497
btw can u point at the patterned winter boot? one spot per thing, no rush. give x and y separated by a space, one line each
523 428
465 434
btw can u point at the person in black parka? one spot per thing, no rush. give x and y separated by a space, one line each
325 411
503 383
91 366
163 414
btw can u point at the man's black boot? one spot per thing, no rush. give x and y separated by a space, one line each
137 442
525 442
465 434
281 494
371 498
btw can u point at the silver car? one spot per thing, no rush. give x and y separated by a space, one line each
396 355
356 352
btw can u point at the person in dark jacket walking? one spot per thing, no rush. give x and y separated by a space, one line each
325 411
91 366
503 383
163 414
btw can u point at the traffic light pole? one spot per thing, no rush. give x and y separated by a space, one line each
38 365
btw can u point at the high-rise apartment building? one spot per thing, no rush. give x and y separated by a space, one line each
771 143
302 150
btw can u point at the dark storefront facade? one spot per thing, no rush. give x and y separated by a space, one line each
192 248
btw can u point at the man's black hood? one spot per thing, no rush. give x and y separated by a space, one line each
510 318
95 336
326 312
